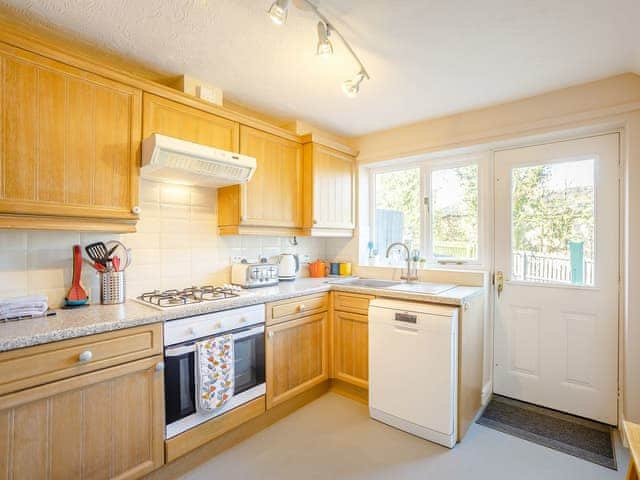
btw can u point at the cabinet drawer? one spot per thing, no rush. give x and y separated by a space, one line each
28 367
293 308
351 302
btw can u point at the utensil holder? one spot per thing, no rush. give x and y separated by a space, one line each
112 288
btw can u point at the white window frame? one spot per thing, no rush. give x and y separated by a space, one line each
427 166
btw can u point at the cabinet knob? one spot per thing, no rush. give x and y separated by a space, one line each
270 335
242 218
302 307
159 366
136 210
315 222
465 306
85 356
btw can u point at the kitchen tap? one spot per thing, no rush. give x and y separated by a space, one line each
409 277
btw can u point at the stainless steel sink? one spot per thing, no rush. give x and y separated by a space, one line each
422 287
365 282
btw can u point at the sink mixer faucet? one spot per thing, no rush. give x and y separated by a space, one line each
411 275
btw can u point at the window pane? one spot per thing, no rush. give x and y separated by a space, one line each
552 234
397 209
454 219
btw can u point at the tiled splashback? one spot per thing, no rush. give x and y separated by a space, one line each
176 245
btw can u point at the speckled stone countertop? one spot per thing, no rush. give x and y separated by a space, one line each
104 318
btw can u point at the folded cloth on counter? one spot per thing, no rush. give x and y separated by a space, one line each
214 372
32 305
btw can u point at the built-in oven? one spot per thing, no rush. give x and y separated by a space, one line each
246 325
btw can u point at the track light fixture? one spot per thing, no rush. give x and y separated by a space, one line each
324 48
351 87
278 14
278 11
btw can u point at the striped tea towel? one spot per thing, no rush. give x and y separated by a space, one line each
23 306
214 372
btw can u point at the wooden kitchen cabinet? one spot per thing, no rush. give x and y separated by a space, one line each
296 357
329 186
101 425
350 338
174 119
271 203
351 348
69 158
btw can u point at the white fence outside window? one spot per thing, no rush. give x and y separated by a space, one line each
534 267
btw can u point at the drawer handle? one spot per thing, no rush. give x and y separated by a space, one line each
270 335
85 356
302 307
159 366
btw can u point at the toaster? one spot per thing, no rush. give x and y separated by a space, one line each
253 275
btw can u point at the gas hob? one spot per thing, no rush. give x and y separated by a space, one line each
187 296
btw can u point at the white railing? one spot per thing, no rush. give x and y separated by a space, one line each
534 267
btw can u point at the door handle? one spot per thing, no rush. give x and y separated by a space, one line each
499 281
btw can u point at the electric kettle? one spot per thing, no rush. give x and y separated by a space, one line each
288 266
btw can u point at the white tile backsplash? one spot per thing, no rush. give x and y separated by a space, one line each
176 245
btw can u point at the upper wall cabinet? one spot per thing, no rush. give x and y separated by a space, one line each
329 186
271 203
69 146
186 123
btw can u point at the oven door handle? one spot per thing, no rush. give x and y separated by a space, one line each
182 349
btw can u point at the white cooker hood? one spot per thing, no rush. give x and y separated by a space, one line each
171 160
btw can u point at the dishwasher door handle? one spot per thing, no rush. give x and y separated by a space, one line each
403 329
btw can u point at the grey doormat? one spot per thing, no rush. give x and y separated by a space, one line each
575 436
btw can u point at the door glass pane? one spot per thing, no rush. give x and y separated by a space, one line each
397 205
454 220
552 228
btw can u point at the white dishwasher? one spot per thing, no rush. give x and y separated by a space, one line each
413 368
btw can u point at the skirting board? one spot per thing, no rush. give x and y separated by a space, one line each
487 392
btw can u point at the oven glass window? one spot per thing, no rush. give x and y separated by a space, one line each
179 381
249 362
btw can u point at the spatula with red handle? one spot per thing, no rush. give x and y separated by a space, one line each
77 295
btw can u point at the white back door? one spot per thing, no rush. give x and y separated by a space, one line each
556 247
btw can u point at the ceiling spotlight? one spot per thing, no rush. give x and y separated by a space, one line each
278 11
351 87
324 49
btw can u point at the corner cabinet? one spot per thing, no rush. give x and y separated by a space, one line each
69 146
351 338
329 186
271 202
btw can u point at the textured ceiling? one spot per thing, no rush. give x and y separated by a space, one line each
427 58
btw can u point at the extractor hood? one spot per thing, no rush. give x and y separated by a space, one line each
171 160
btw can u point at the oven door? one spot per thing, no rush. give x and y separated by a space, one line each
248 352
180 403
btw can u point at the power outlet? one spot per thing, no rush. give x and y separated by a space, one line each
305 259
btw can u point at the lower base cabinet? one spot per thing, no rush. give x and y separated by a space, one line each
296 357
351 348
101 425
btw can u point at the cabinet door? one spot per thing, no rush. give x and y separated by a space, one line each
70 140
333 189
105 424
296 357
186 123
351 348
273 197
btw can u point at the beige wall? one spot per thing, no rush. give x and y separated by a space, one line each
612 103
176 246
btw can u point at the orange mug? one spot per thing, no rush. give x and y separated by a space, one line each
317 269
